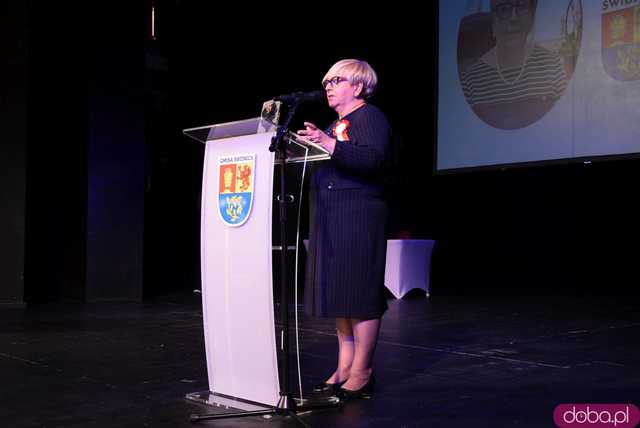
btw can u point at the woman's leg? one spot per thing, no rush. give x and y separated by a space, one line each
346 350
366 338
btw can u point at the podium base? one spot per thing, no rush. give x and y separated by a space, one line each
213 399
316 403
255 409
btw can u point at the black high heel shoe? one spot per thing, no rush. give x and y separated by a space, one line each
331 388
365 392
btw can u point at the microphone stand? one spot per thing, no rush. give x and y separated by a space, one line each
286 405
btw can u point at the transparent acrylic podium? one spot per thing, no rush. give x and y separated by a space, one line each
236 260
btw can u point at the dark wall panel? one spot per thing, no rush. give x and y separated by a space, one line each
116 160
13 137
56 153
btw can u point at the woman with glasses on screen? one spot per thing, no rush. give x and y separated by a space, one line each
517 81
348 213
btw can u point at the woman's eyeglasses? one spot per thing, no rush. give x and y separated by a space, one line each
504 11
333 81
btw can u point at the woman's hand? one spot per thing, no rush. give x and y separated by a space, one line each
315 135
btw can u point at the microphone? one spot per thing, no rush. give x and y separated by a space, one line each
301 97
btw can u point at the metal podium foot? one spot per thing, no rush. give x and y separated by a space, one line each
198 418
317 403
290 413
286 407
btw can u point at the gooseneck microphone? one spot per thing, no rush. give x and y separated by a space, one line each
301 97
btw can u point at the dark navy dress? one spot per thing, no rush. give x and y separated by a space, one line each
348 214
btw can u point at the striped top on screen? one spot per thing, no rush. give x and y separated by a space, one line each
541 77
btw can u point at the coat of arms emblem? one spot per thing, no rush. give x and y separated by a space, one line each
235 188
621 43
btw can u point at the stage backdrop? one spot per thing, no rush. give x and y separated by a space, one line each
13 111
574 95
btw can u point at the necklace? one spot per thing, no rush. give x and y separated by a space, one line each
522 67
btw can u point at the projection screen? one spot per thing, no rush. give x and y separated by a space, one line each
523 81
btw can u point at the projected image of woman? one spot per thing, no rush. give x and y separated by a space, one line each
517 81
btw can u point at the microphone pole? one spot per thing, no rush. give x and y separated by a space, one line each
287 404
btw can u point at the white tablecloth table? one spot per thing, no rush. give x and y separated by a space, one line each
408 265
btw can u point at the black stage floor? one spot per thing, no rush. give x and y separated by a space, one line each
443 362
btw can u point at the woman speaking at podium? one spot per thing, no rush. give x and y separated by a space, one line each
348 213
